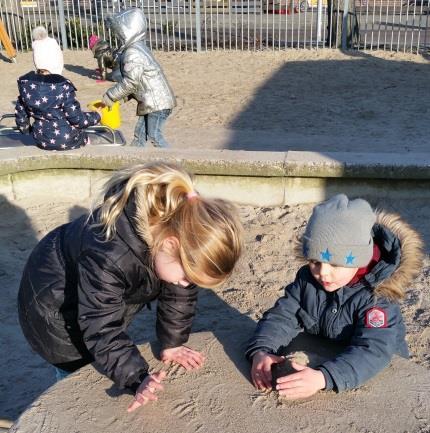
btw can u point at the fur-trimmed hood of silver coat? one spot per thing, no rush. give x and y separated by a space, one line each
142 77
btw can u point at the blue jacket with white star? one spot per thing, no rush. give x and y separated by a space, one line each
363 317
47 107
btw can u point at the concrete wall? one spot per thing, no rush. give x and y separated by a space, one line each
258 178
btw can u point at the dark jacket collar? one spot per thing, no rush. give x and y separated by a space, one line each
40 78
126 231
391 253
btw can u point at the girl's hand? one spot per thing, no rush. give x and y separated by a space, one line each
183 355
304 383
261 373
147 389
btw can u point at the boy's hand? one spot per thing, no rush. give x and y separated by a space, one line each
147 389
304 383
183 355
261 373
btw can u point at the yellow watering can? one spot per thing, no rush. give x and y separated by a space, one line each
109 116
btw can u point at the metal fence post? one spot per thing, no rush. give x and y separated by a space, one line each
62 24
345 24
319 21
198 27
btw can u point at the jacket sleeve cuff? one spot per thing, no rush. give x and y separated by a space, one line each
175 313
170 344
136 383
25 129
329 382
252 351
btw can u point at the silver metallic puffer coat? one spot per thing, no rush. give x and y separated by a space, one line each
142 76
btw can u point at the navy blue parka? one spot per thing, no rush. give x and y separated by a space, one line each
343 315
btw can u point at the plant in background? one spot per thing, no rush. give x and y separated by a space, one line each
77 33
168 26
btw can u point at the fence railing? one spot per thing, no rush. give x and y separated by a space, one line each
189 25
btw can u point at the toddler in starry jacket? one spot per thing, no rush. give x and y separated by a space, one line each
47 106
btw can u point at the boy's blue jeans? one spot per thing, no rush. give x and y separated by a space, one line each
149 128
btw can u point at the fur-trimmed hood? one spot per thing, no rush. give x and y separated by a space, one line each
411 254
401 256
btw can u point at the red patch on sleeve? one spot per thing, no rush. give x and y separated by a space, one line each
376 318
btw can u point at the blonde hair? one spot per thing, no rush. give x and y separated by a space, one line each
208 230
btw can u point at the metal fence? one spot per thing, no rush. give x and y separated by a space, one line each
189 25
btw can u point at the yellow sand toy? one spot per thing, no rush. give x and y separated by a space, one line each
110 117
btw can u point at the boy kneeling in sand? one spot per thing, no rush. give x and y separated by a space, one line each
359 264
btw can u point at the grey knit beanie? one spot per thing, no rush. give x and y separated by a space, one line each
339 232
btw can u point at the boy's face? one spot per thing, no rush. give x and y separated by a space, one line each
331 277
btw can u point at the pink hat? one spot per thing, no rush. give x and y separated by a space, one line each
92 41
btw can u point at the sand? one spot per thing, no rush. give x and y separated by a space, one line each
218 398
229 313
299 100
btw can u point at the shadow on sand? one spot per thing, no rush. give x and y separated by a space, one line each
315 105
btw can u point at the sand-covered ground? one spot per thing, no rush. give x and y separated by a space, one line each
267 265
293 100
300 100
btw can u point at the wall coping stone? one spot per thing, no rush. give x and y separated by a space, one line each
227 162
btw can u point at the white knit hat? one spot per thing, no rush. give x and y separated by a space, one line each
47 55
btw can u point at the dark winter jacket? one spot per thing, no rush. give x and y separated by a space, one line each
58 121
364 316
79 293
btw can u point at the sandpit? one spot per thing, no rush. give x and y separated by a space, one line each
313 100
219 398
219 395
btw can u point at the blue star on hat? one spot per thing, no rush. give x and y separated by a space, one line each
349 260
325 255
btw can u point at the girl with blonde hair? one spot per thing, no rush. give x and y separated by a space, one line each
152 237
